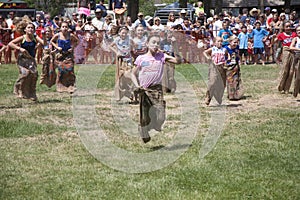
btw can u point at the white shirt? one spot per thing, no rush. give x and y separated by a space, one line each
98 23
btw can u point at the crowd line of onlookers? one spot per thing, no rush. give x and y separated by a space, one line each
260 33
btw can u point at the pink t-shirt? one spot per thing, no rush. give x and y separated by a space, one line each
150 69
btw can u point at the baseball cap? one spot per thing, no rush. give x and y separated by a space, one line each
267 8
274 10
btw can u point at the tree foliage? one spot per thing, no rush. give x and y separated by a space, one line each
53 7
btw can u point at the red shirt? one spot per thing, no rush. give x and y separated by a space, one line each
286 39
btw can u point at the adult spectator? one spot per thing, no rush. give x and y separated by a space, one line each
102 7
201 18
84 8
254 13
262 20
199 8
157 25
119 7
182 15
225 33
74 20
37 21
10 18
98 20
268 12
244 15
281 21
218 24
171 20
142 21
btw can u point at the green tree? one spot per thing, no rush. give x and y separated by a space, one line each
54 7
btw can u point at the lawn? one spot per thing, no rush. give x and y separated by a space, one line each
246 149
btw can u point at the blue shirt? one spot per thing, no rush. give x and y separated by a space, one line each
243 37
225 34
258 36
119 3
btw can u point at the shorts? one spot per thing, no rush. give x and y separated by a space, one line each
259 50
243 52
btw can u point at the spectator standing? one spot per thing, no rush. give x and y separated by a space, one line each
84 8
225 33
259 35
119 7
74 19
254 13
243 45
102 7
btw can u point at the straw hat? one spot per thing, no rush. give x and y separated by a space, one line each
254 10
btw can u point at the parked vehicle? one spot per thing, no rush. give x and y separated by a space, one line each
163 13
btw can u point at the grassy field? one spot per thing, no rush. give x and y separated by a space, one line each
256 157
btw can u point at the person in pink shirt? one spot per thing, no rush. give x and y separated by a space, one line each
147 77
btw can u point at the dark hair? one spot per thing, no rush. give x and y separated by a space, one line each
152 35
123 28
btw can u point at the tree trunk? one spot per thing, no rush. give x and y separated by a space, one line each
261 5
219 5
133 9
183 3
287 4
207 6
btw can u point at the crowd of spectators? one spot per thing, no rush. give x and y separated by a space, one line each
258 31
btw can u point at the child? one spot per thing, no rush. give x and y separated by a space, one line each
139 42
122 47
217 73
259 35
64 42
147 77
295 46
169 46
243 38
233 75
48 76
25 87
287 71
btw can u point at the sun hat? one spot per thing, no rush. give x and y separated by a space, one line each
254 10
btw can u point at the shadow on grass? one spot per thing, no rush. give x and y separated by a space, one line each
49 101
12 106
174 147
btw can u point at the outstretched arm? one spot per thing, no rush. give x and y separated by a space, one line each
207 53
134 75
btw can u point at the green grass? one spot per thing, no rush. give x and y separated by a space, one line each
256 157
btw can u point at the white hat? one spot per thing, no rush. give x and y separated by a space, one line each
274 10
210 19
98 10
254 10
182 11
148 18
